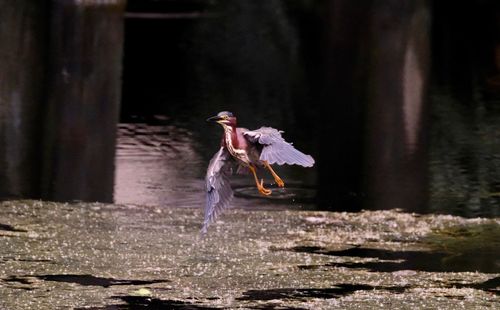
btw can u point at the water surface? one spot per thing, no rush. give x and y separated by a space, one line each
165 165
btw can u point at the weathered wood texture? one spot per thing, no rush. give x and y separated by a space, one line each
374 108
60 70
22 55
340 155
85 57
396 114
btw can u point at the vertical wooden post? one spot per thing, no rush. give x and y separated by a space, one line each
374 112
396 147
85 57
341 118
22 55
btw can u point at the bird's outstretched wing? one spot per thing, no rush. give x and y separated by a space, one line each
219 192
276 150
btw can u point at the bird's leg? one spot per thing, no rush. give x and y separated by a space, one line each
260 186
276 177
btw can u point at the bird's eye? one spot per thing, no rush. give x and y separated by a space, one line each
225 117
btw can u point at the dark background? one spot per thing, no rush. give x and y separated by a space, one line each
313 68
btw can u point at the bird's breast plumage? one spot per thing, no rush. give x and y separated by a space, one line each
236 143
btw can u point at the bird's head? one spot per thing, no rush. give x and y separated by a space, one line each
224 118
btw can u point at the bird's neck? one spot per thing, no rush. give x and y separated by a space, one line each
230 137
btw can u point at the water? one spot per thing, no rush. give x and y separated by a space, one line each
157 165
464 156
165 164
103 256
274 75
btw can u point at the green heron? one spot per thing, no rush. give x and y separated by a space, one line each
246 150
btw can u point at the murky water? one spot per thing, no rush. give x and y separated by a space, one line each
465 156
274 75
100 256
157 165
165 165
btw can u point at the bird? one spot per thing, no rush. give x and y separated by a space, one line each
245 150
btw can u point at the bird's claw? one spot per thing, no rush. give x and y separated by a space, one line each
279 182
265 191
262 189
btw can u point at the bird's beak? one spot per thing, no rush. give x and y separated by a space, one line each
214 119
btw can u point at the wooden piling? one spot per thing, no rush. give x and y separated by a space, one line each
340 159
83 98
396 113
22 55
375 107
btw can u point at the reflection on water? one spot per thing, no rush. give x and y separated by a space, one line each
376 145
165 165
465 157
157 165
279 194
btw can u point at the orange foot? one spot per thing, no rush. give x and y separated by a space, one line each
264 191
279 181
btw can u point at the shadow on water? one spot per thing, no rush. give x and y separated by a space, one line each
6 227
452 260
407 260
469 247
491 285
83 280
28 260
342 290
144 302
291 193
339 290
14 279
273 306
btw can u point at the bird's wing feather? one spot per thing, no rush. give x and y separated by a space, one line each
219 192
276 150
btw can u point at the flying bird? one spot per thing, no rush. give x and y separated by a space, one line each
245 149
